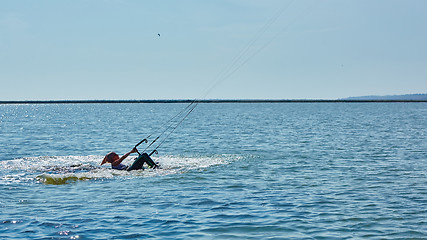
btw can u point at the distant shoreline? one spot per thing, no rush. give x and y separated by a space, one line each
206 101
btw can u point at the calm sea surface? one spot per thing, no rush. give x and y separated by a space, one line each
230 171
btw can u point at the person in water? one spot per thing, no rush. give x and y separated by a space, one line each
116 161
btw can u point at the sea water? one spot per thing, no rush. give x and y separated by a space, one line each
230 171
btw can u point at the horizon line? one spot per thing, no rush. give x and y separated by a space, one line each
204 101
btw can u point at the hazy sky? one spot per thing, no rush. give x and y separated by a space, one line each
110 49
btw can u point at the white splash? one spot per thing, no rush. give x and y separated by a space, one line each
69 169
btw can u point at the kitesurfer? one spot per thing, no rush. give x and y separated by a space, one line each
116 160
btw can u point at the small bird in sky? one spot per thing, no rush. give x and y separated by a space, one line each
158 34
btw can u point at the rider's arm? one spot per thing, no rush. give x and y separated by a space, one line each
120 160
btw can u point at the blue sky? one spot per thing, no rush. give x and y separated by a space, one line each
109 49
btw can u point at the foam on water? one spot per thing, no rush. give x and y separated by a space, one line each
68 169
